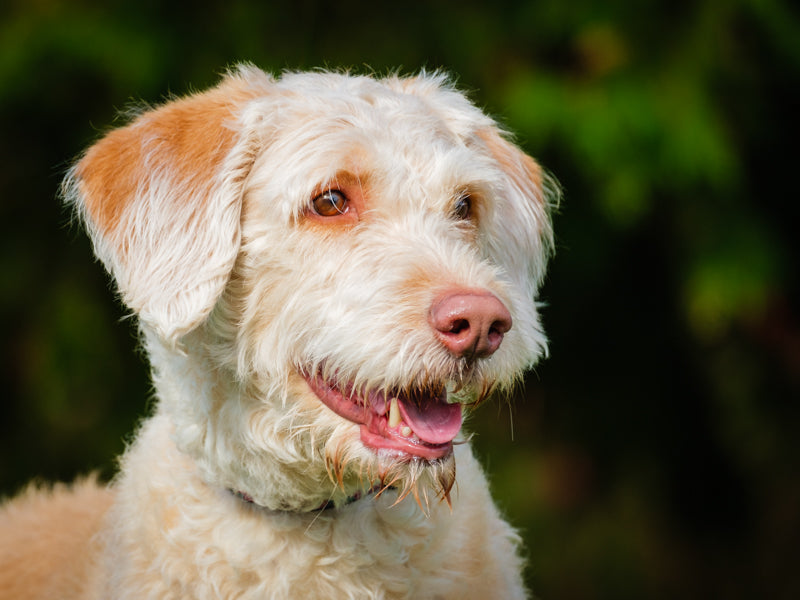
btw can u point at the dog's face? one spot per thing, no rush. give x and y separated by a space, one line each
326 269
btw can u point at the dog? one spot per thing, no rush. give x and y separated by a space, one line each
329 270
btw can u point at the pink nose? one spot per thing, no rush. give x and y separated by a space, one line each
470 323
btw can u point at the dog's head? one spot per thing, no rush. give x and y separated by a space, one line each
326 268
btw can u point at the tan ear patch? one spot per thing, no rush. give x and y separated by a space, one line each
523 170
189 137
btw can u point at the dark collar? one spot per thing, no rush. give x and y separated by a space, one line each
328 504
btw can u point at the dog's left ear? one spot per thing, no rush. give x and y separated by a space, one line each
533 194
161 199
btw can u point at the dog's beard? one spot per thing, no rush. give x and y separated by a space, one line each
423 465
427 481
354 464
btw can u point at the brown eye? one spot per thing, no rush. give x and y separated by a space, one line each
330 203
462 209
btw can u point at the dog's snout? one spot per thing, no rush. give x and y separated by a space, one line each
470 323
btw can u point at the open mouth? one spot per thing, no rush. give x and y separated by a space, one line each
419 424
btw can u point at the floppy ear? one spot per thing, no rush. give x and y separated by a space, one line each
532 194
161 199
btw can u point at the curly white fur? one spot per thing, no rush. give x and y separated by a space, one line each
200 210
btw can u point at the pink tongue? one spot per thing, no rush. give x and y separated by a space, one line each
435 422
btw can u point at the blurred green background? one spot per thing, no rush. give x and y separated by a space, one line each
655 454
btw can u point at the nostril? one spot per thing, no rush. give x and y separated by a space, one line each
500 326
459 325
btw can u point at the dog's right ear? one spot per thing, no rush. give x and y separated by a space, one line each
161 199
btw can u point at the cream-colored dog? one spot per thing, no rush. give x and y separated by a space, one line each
326 270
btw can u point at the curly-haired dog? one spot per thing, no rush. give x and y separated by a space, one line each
326 269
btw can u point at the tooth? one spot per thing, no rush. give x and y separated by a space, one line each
394 413
406 431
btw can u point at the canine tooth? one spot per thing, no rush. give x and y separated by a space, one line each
394 413
406 431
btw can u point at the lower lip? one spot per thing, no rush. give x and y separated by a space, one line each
404 447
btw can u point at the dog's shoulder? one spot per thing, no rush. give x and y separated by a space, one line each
47 539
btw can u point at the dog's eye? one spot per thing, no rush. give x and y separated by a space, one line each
462 209
330 203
